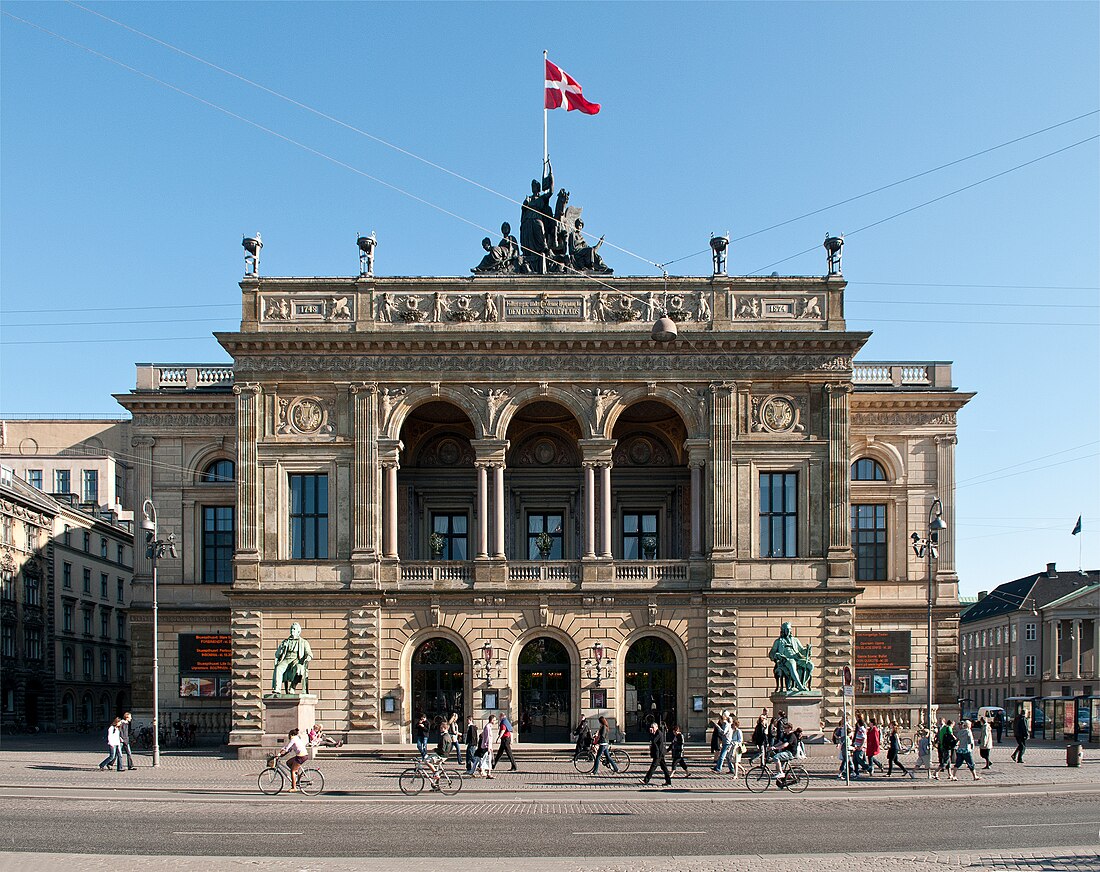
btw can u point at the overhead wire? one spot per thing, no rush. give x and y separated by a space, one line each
1032 460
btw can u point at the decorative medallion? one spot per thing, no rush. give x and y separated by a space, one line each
776 414
545 451
305 416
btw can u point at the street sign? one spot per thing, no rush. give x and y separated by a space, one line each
849 691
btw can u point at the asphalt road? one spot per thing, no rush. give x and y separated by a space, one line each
654 822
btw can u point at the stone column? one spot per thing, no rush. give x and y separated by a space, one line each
482 510
697 450
389 451
247 627
723 483
498 509
366 481
1077 626
839 486
248 437
1054 665
143 490
1095 649
589 510
945 490
605 510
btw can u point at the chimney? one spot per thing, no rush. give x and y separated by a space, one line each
982 594
1051 571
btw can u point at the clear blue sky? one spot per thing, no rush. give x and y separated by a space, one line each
122 198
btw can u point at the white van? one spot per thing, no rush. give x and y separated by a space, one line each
992 712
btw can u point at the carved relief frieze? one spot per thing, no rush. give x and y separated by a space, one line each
495 399
796 307
315 309
438 308
184 420
304 416
903 419
778 413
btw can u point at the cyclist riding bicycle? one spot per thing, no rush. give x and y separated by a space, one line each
583 736
784 748
298 754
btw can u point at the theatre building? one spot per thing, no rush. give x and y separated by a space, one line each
500 494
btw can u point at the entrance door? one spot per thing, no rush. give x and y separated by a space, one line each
544 692
650 687
438 680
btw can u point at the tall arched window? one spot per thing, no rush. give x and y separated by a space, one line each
221 471
866 469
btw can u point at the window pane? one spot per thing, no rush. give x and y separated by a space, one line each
296 494
631 548
534 523
440 523
458 549
630 523
322 537
649 523
460 523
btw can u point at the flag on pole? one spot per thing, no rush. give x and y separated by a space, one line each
1077 527
562 90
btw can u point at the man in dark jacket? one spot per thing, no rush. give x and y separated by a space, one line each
420 735
504 749
657 752
1020 733
471 745
124 731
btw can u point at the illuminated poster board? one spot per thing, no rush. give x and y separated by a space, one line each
205 665
882 662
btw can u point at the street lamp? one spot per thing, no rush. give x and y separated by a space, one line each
929 545
487 664
154 549
598 667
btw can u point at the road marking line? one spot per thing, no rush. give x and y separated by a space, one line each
643 833
1014 826
223 833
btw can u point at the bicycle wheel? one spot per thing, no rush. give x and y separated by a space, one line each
411 781
622 759
797 780
582 762
270 781
906 743
310 781
449 784
758 778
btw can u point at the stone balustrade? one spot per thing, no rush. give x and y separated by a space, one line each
183 376
908 374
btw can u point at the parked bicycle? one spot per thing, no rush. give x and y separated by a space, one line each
793 777
276 777
583 759
429 770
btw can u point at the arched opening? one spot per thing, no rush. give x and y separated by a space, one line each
868 469
87 710
68 709
543 480
220 471
437 484
106 708
650 484
649 687
545 687
438 679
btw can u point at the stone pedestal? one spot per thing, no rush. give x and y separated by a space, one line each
284 712
803 710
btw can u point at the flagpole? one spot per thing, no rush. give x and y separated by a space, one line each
545 151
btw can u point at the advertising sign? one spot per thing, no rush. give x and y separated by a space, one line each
206 652
883 650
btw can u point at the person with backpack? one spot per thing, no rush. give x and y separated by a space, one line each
946 742
583 735
964 752
505 749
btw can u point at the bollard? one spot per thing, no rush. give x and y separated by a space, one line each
1073 754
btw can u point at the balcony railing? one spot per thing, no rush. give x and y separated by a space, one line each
436 571
544 570
651 570
910 374
183 376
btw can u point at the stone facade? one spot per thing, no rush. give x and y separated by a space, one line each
399 445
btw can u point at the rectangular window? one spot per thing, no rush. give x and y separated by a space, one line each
1013 632
1029 664
67 662
121 585
544 535
309 517
120 553
120 626
31 536
104 623
87 621
869 541
61 482
121 666
91 486
34 478
87 580
778 514
7 585
104 583
67 538
640 539
7 525
32 591
449 537
87 665
1030 632
67 576
87 542
217 544
67 617
105 666
32 643
1013 665
7 640
103 548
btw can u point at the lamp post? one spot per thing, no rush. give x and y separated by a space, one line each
487 662
155 548
598 668
929 545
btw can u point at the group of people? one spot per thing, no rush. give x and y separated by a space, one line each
118 743
859 747
484 746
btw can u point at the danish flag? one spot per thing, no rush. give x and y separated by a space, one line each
562 89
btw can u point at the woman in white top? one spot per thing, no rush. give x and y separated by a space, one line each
737 748
299 753
114 743
985 740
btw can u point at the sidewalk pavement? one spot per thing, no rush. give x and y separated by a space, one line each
1070 859
29 766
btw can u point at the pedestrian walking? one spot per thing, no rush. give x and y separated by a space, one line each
420 735
485 746
676 747
716 743
443 738
999 725
841 740
456 739
946 743
725 728
471 737
657 755
114 740
924 750
505 749
583 735
985 740
859 750
893 753
1020 734
874 745
603 746
124 738
760 737
964 751
737 749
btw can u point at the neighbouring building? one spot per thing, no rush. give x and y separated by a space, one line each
1032 645
498 493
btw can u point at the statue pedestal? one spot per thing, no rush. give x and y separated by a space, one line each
284 712
803 710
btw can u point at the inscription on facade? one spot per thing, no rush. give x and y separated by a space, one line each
560 308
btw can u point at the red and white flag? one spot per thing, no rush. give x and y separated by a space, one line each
562 90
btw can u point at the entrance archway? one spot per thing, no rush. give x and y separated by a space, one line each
437 680
649 688
545 687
